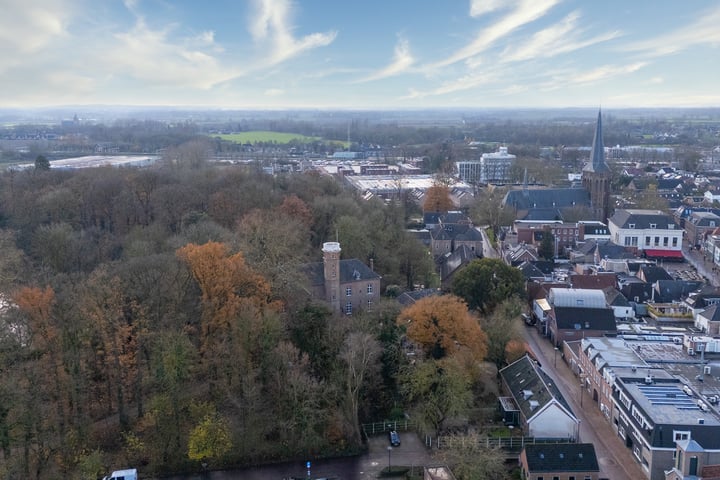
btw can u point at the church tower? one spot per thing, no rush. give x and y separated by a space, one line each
331 270
596 176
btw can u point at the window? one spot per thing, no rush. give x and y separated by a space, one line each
647 241
680 435
556 477
674 242
580 302
348 308
370 302
665 241
348 292
631 225
369 288
571 477
627 241
657 241
634 241
653 225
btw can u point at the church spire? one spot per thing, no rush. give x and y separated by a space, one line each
597 154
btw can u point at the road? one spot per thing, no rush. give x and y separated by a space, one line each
411 453
488 250
615 460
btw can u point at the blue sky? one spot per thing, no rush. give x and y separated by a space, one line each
360 54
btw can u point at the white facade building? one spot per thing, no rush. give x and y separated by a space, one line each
491 168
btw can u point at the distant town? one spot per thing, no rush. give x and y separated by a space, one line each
434 294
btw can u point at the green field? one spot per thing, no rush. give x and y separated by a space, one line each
264 136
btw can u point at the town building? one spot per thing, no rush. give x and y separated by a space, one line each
534 403
561 461
651 233
347 285
490 168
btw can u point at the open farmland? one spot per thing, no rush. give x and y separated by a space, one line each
265 136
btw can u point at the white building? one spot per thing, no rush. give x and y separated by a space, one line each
651 232
491 168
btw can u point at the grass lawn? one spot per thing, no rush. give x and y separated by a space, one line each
265 136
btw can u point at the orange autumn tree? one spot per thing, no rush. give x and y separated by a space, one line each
437 199
443 325
228 286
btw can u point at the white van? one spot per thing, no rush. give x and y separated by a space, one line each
129 474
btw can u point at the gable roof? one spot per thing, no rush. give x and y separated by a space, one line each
409 298
561 457
597 281
547 198
641 219
675 290
529 388
615 298
529 270
653 273
574 318
351 270
712 313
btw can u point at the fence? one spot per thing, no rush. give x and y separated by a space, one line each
388 425
506 443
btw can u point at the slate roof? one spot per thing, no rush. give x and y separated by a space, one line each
712 313
450 262
549 198
675 290
351 270
561 457
653 273
700 299
524 375
581 318
530 271
540 214
703 219
409 298
456 232
597 154
615 298
642 219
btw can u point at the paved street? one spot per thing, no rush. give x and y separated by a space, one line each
616 461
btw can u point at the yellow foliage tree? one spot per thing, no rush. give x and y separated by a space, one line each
443 325
209 439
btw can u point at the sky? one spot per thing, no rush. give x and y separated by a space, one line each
360 54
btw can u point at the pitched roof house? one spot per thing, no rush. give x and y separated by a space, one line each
559 460
347 285
534 403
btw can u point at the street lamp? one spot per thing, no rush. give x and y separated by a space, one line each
555 359
389 452
582 388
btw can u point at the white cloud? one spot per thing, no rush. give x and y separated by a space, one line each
274 92
605 72
481 7
154 56
29 26
402 61
527 11
557 39
704 31
271 25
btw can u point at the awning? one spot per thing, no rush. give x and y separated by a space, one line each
664 254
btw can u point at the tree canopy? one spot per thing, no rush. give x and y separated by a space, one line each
486 282
442 325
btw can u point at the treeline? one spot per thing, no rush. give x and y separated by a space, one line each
159 318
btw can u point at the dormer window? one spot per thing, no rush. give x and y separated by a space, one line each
652 225
631 225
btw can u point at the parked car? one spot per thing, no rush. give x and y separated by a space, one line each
394 438
128 474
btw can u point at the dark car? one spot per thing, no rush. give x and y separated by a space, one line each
394 438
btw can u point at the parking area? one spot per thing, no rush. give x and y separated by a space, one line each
411 452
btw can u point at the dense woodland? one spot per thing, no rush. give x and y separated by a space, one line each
159 318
